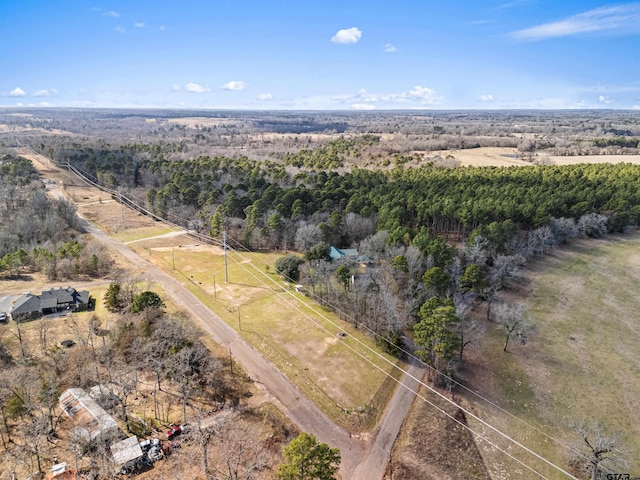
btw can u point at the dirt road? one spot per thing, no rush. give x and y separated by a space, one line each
296 406
360 460
378 454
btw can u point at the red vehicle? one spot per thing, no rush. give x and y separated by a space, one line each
175 430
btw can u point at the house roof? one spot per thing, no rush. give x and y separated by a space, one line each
81 296
335 253
48 299
27 303
62 295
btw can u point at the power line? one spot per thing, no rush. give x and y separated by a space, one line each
420 382
438 372
515 442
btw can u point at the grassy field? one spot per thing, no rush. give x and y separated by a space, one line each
582 362
343 376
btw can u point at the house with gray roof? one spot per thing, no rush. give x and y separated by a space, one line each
26 307
29 306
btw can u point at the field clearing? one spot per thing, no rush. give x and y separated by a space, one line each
511 157
301 338
4 128
99 208
482 157
580 364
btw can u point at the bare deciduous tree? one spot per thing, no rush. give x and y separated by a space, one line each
602 451
514 322
307 236
237 453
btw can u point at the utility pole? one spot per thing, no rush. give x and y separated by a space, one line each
230 361
239 324
224 247
121 207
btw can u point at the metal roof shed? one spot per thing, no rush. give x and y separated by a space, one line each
90 418
126 450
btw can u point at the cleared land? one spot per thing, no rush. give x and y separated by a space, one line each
343 375
581 363
510 157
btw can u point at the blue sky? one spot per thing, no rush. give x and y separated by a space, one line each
347 55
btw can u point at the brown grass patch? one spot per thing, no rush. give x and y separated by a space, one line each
433 446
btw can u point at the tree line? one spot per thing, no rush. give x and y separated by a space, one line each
39 233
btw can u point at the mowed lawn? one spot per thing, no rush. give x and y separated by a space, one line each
583 361
343 375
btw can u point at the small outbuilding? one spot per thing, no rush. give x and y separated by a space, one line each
60 471
91 420
126 451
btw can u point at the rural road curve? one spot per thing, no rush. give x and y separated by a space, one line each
384 437
360 460
297 407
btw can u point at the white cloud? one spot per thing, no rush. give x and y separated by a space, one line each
362 106
635 107
45 104
17 92
111 13
424 95
196 88
264 96
485 98
617 18
139 25
162 27
119 29
605 100
418 94
234 85
389 48
175 87
347 35
45 93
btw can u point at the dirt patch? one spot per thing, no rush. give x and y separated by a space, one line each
433 446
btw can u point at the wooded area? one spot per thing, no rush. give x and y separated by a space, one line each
432 240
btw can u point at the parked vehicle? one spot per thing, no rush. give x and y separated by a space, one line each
175 430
